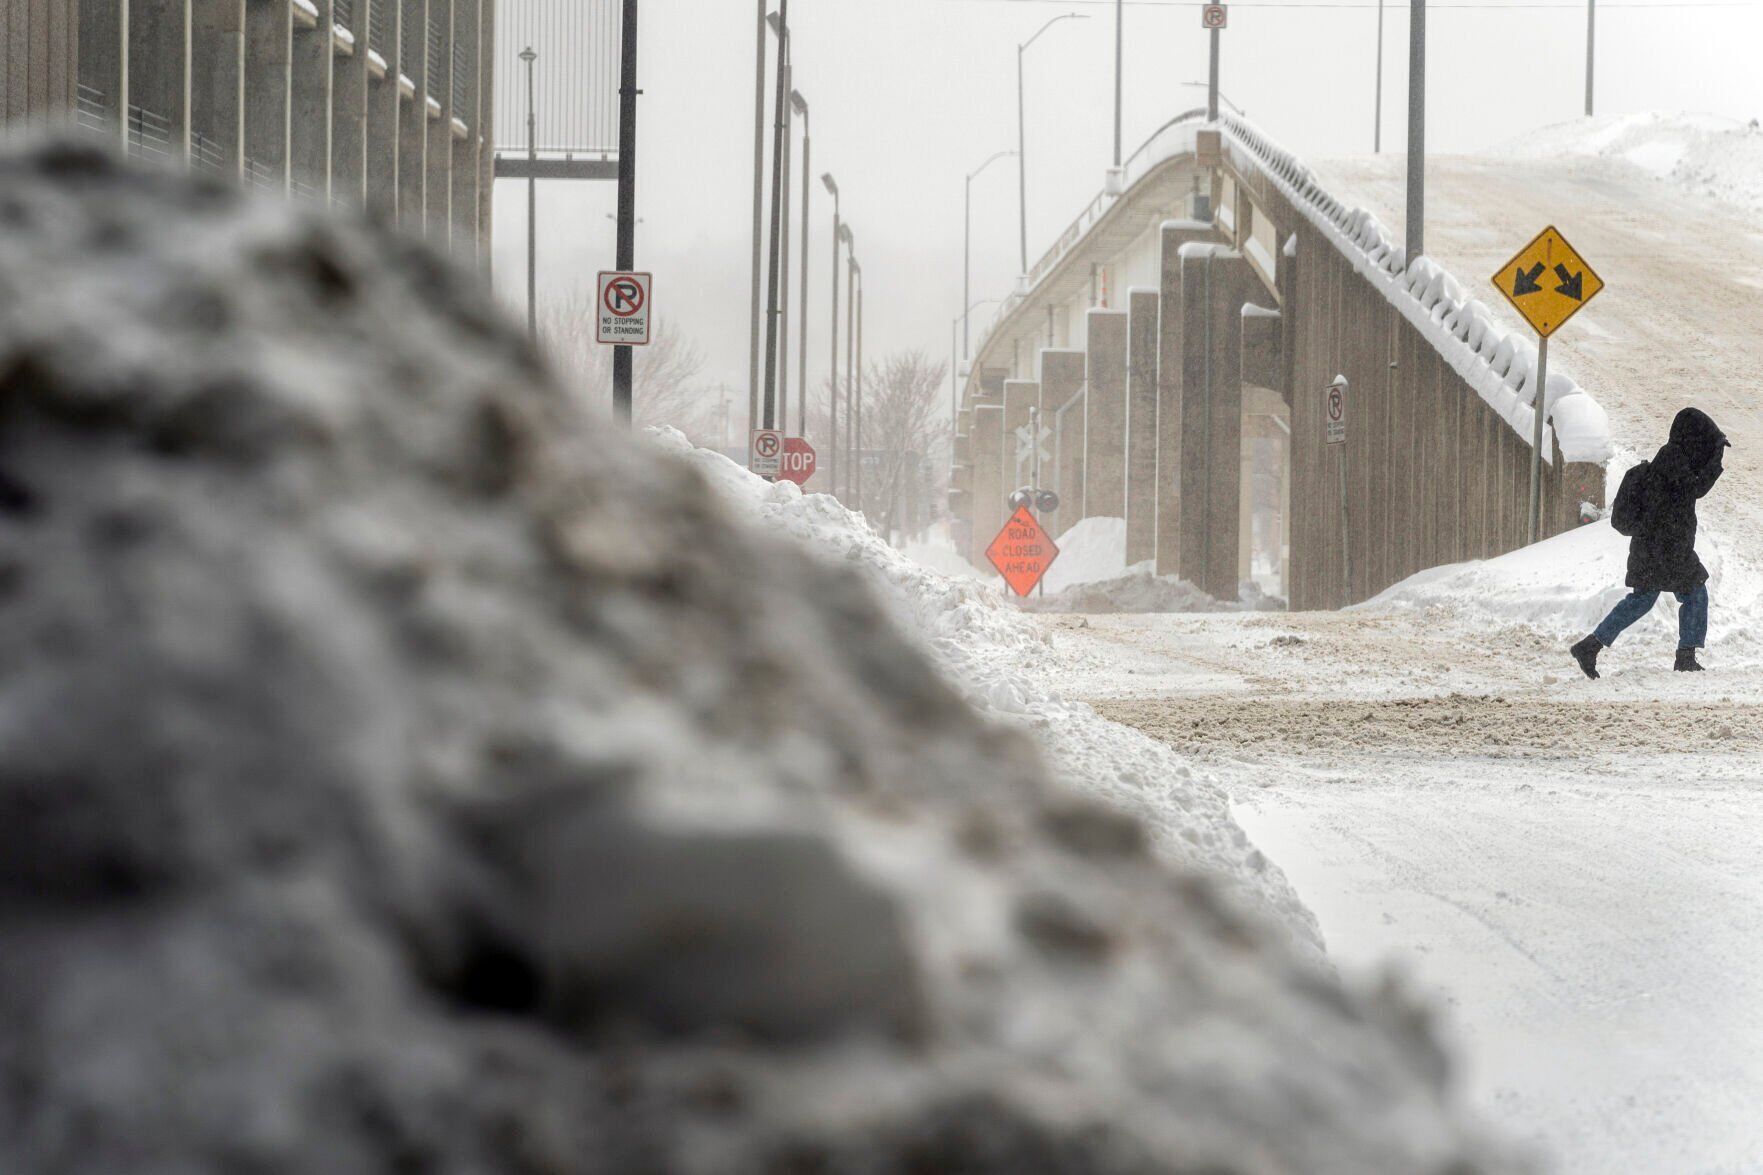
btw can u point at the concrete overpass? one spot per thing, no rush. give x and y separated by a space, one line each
1179 338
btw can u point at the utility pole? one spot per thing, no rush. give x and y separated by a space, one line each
1416 226
758 222
1377 113
1118 4
532 201
833 345
769 410
627 200
1591 40
801 105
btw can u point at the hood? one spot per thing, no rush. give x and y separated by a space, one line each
1695 434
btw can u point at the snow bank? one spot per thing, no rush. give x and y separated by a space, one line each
414 773
1140 589
1702 153
1092 550
1003 660
1499 365
1564 585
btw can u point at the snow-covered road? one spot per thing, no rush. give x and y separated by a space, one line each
1573 870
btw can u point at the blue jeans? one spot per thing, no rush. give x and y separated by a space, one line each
1692 617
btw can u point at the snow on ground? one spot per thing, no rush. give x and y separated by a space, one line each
1007 664
1703 153
1140 589
1092 550
1572 868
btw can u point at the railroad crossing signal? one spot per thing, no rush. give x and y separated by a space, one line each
1027 442
1022 552
1548 282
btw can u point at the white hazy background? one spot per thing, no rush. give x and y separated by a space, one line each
908 96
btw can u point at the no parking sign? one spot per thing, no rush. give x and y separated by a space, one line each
623 309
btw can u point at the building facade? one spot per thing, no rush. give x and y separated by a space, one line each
379 104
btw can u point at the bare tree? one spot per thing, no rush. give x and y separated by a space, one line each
666 376
905 429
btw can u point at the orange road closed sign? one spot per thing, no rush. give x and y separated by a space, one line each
1022 552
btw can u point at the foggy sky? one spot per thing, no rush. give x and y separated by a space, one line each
908 96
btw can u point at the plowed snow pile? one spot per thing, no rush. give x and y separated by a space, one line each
402 770
1703 153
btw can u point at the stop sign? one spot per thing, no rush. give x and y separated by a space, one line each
798 461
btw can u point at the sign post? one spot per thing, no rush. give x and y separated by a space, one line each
1548 283
765 452
622 309
1213 17
798 460
1335 420
1022 552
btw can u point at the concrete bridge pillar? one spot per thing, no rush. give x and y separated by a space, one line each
438 214
1104 479
988 475
1141 426
1019 396
159 76
269 48
1265 492
349 115
1215 283
1062 409
1170 318
413 120
103 36
217 85
384 111
310 140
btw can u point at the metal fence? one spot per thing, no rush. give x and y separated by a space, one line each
343 13
92 110
461 80
575 77
379 26
149 134
207 155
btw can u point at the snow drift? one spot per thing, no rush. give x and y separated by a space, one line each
399 770
1702 153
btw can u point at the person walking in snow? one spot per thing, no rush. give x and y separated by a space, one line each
1656 507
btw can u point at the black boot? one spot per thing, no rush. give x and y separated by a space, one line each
1586 653
1686 662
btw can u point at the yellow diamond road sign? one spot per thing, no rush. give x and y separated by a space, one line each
1548 282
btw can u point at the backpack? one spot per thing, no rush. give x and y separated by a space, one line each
1628 512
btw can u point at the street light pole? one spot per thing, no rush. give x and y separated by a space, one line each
783 249
833 346
627 200
967 236
1591 40
801 105
532 200
1117 62
758 221
1021 138
1416 226
1377 114
857 417
850 352
769 409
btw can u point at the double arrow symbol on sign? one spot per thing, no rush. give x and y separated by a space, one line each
1525 282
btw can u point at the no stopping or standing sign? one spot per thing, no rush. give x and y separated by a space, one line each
622 308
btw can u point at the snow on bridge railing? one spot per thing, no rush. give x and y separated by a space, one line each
1175 137
1499 364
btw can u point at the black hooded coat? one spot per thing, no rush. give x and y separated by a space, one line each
1662 553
